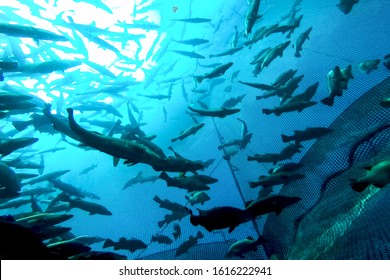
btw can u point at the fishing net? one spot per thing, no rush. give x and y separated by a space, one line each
332 221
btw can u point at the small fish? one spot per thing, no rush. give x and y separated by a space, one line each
189 54
131 245
176 231
376 174
186 245
193 20
161 239
368 66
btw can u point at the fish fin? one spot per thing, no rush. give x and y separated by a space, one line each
297 54
277 114
367 167
115 161
252 185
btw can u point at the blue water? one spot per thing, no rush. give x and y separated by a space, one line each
336 39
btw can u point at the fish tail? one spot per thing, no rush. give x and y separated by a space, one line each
108 243
327 101
253 185
163 175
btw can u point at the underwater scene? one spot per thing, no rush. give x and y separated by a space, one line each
192 129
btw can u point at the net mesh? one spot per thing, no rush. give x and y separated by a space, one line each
332 221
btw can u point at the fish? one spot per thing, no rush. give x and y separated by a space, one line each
274 179
286 167
37 34
88 169
280 28
15 203
334 86
36 191
217 112
377 175
219 218
69 248
251 16
258 86
228 52
88 240
43 219
198 197
7 146
46 177
301 39
129 150
189 54
169 205
368 66
216 72
346 75
176 231
240 247
192 130
185 183
346 5
47 66
289 107
186 245
274 53
385 102
131 245
139 178
307 95
91 207
193 42
269 204
161 239
66 188
192 20
307 134
284 77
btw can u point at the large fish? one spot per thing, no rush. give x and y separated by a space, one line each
129 150
185 183
279 178
301 39
219 218
219 112
289 107
269 204
251 16
91 207
22 31
307 134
